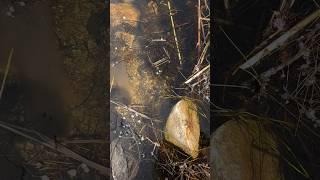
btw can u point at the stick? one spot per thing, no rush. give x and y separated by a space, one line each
53 145
6 72
174 32
280 41
197 74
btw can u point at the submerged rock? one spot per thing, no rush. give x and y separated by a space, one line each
124 165
243 150
182 127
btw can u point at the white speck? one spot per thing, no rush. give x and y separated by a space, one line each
72 172
139 121
142 138
123 17
115 48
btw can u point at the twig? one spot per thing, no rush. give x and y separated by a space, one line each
279 42
6 72
197 74
174 32
53 145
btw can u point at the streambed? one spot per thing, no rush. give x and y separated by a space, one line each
142 91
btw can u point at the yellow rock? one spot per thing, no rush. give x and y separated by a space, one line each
182 127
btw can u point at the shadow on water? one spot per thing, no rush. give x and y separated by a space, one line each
37 64
42 89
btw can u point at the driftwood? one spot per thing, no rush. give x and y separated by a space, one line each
280 42
47 142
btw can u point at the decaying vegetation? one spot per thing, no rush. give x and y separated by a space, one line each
275 76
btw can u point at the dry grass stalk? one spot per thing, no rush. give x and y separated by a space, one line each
6 72
176 165
174 32
197 74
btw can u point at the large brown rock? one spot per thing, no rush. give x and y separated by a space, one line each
182 127
243 150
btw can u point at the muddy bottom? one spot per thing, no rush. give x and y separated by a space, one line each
40 93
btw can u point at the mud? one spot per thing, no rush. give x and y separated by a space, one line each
56 83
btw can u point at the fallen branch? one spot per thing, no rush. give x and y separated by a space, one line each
6 73
47 142
279 42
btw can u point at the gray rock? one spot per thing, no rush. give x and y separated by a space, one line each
124 165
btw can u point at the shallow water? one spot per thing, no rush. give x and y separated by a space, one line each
37 67
136 83
40 94
37 64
